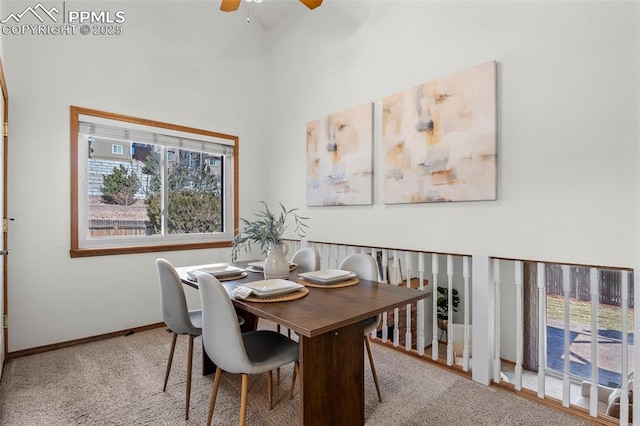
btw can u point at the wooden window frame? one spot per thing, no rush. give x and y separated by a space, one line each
76 250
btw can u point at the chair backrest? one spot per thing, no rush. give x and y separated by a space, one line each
174 305
364 265
307 258
221 335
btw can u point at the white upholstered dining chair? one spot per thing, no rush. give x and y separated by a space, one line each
307 258
178 318
366 268
232 351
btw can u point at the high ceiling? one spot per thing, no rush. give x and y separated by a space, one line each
270 12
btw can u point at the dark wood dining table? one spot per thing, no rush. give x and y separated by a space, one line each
329 323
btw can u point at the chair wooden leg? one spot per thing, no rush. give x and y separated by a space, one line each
166 374
214 394
243 400
373 368
296 372
270 390
189 366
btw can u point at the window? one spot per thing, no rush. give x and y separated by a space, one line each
175 189
609 322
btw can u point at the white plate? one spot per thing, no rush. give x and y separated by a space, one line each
216 270
259 266
327 276
273 287
216 267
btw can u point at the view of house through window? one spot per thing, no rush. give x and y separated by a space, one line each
140 185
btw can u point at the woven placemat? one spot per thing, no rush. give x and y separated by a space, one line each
233 277
283 298
347 283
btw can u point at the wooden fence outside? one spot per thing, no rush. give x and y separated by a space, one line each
610 287
114 227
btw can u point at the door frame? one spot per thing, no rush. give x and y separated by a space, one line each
3 225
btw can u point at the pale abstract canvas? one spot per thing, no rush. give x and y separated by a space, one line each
339 158
439 140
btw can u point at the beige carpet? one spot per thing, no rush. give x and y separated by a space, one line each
119 382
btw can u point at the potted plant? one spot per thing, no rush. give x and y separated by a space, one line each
443 305
267 232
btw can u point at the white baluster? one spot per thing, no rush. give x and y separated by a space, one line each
519 325
385 278
396 311
342 253
593 394
450 310
407 335
624 397
496 354
333 249
566 385
324 255
374 333
420 318
434 296
542 325
467 303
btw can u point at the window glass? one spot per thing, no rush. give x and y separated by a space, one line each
149 186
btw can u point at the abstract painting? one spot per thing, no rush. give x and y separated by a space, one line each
339 158
439 140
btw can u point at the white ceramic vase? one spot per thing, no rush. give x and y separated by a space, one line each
276 264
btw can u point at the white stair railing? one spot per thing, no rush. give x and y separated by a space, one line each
408 337
420 318
450 310
396 311
374 333
385 278
624 398
434 343
497 365
519 280
415 264
542 328
566 385
593 396
466 353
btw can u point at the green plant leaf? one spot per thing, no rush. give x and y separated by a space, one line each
268 228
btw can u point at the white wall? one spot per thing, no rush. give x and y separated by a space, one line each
568 114
568 101
184 64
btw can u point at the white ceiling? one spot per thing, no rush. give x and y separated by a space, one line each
270 12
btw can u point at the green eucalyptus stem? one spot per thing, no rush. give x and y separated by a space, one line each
266 229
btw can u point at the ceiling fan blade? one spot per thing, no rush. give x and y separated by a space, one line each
311 4
229 5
